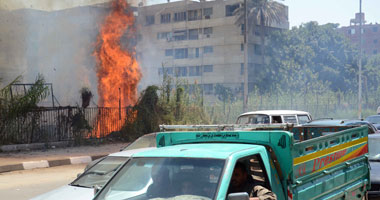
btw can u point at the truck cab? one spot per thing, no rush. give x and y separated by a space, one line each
200 165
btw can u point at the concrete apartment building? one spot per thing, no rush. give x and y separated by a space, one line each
197 42
370 34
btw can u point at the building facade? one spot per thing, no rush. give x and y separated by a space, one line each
197 42
370 34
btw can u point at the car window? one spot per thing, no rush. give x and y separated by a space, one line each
302 119
143 142
148 178
373 119
100 173
276 119
254 119
374 147
290 119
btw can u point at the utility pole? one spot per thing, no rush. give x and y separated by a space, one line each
360 63
245 72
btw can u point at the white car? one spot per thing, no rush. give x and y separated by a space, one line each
274 117
98 172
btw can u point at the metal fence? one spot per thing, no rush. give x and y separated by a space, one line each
63 124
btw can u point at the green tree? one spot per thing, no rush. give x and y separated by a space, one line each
13 106
305 58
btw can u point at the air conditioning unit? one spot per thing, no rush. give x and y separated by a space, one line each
207 16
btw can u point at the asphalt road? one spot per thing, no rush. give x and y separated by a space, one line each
25 184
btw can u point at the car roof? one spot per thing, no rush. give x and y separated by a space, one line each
129 153
375 116
335 122
277 112
201 150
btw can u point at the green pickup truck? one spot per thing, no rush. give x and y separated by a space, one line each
291 163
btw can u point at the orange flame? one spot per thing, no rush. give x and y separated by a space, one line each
117 69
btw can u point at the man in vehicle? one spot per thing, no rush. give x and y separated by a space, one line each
241 181
160 177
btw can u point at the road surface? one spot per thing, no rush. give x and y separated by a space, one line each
25 184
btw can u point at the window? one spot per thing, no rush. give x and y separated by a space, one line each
207 12
180 16
374 29
241 47
253 167
375 51
193 34
195 71
375 41
208 68
208 88
180 35
181 71
194 15
352 31
168 52
302 119
180 53
290 119
230 9
257 49
241 68
167 70
164 35
193 53
207 30
149 20
208 49
165 18
277 119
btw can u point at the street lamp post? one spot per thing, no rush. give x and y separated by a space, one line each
360 63
245 74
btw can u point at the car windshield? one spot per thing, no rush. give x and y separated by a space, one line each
143 142
254 119
374 147
165 178
302 119
100 173
373 119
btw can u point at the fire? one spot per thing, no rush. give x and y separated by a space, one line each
117 69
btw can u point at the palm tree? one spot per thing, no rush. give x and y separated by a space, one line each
258 12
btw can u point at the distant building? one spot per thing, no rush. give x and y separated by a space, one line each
370 34
197 41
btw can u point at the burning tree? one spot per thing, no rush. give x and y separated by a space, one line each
117 69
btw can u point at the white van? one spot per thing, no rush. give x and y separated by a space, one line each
274 117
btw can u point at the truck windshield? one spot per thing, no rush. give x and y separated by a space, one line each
100 173
165 178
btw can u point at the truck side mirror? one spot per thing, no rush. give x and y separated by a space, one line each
238 196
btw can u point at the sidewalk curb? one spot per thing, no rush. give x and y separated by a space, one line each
49 163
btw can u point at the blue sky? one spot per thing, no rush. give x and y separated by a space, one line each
335 11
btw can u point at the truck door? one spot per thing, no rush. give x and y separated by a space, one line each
257 171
